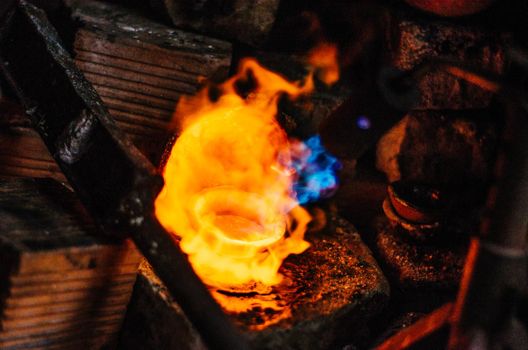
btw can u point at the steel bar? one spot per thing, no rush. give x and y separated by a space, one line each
112 178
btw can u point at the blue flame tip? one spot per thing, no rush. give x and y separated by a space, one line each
316 170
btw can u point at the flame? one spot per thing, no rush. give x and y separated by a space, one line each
316 169
229 180
324 57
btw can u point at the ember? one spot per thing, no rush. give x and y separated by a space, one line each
230 190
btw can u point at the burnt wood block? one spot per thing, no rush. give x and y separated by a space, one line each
415 40
246 21
22 151
327 295
62 283
443 148
140 68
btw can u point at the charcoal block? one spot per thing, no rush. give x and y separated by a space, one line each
327 295
451 148
154 320
414 40
301 118
246 21
435 266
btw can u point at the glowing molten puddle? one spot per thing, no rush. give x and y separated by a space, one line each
234 217
229 183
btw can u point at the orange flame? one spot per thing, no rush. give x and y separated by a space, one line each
325 58
227 191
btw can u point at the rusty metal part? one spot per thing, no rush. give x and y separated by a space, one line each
419 231
484 315
415 202
416 210
496 264
112 178
428 332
